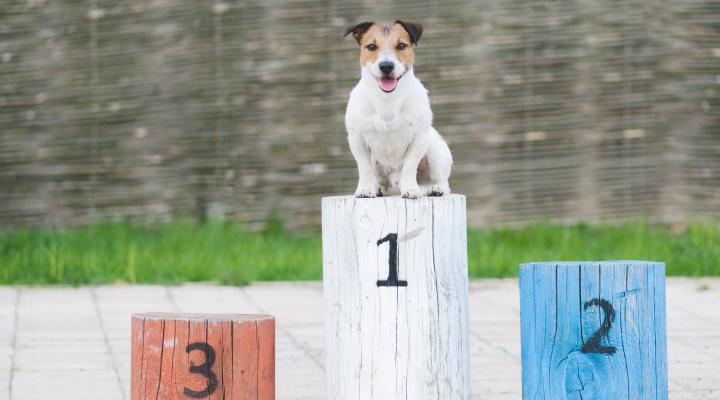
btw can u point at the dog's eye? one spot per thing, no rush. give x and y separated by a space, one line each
401 46
371 47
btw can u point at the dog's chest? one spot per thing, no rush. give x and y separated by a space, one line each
388 132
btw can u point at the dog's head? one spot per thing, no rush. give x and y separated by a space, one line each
386 52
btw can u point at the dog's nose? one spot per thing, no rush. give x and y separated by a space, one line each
386 67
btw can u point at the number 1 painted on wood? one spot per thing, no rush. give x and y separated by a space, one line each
392 279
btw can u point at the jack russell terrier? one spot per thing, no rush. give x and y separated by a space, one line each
388 117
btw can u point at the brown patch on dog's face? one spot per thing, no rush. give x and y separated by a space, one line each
400 41
385 40
371 44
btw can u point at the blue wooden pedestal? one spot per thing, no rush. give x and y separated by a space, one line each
593 330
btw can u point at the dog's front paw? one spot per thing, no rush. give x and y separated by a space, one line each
412 193
366 192
381 191
438 190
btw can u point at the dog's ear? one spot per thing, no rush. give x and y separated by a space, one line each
358 30
414 30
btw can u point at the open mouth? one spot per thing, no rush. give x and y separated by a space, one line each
388 84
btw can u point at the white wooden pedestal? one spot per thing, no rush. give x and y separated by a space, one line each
396 297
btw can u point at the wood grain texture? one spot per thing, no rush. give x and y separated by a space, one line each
396 342
593 330
207 356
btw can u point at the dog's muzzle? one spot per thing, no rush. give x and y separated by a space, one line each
387 81
386 67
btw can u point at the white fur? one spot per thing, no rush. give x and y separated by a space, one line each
391 133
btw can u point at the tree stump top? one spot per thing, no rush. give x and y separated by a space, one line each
202 317
450 196
595 262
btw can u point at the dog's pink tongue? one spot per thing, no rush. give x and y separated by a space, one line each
388 84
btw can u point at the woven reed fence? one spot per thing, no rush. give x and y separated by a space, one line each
150 109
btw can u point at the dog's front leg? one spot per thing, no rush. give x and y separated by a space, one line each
367 181
408 178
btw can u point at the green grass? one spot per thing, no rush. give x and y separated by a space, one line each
225 252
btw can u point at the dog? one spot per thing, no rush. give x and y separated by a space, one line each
389 120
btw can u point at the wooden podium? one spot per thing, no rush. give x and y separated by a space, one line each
396 294
593 330
203 356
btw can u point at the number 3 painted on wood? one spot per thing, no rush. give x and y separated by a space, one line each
392 279
593 345
202 369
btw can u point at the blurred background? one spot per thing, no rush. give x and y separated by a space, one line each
597 118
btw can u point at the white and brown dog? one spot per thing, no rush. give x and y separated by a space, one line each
388 118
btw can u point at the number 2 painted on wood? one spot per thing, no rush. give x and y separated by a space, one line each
593 345
392 279
202 369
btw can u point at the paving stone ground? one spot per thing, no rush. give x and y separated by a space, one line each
74 343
